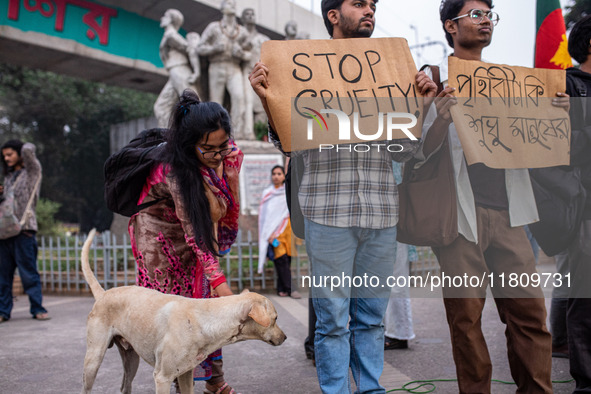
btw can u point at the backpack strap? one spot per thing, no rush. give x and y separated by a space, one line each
436 76
579 86
30 202
581 89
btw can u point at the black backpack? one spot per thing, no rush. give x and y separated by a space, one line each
127 170
560 199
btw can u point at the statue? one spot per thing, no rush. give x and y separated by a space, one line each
303 35
180 59
291 30
225 44
253 109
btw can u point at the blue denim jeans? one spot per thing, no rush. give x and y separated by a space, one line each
349 330
19 251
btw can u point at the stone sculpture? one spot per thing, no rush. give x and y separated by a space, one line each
291 30
180 59
226 46
253 109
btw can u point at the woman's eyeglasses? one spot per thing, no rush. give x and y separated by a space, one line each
222 152
477 16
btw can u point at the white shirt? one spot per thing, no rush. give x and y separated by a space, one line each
522 205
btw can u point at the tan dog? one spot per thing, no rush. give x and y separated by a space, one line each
171 333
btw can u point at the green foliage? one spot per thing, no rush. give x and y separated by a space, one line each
575 11
260 130
68 120
45 212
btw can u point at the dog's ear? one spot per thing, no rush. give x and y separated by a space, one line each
244 291
259 314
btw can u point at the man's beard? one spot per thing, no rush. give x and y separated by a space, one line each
361 32
357 31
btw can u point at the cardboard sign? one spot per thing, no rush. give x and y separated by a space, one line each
371 77
505 117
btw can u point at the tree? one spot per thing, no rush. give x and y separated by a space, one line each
68 120
575 11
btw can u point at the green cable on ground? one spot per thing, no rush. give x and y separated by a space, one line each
429 387
425 384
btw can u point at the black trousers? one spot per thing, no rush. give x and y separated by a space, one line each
283 269
578 314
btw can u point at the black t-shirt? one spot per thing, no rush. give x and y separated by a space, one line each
488 186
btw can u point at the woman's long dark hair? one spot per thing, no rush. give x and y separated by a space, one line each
17 145
190 123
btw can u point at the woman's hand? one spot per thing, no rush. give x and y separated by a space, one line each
223 290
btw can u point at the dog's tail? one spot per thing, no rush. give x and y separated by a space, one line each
94 284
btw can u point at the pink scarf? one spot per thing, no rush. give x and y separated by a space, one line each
226 190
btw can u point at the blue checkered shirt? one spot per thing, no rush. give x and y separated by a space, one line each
350 189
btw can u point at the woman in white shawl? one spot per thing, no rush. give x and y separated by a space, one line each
275 232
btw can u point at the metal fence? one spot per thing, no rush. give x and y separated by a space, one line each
112 261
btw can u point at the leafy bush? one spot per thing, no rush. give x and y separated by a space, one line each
46 210
260 130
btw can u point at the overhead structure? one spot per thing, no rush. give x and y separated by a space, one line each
115 41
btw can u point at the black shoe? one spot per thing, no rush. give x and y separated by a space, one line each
309 348
393 343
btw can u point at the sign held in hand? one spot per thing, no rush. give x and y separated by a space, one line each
505 117
314 84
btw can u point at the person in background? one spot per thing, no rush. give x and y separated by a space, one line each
176 242
275 234
398 319
558 308
578 86
22 176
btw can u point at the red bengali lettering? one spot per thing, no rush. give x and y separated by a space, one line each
96 11
13 9
98 18
38 5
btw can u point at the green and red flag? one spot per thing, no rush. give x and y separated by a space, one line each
551 43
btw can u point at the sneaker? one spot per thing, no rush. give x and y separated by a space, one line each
393 343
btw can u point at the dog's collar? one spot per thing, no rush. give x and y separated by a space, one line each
235 338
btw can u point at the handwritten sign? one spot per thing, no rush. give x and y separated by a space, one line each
371 80
505 117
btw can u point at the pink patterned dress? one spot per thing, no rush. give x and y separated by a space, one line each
163 241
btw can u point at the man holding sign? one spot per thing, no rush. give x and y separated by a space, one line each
350 206
493 206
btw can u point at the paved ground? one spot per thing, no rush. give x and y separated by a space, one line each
46 357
